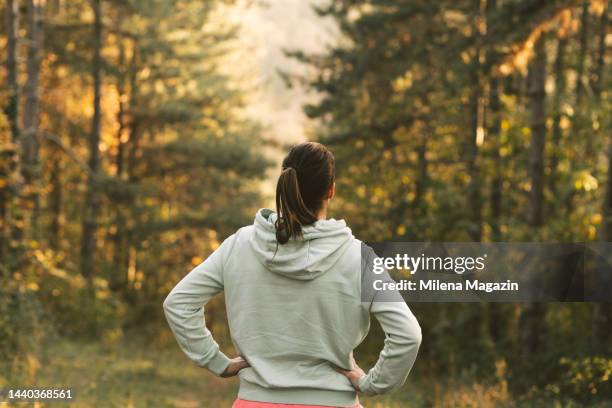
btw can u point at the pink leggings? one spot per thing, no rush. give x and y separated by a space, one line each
240 403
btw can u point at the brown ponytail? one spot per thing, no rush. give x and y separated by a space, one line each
307 175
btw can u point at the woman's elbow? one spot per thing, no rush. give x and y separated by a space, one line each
417 335
413 333
169 302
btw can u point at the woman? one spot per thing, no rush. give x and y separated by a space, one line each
292 286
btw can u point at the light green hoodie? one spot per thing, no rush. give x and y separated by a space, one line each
295 312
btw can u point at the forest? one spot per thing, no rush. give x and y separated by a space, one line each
127 156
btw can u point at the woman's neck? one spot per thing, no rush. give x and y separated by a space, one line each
322 215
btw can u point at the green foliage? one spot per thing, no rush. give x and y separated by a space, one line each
581 380
587 376
400 79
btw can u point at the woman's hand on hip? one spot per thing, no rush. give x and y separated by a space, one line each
354 374
235 365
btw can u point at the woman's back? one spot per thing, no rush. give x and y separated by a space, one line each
293 294
295 312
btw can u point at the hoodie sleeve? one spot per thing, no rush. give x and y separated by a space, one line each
184 310
402 341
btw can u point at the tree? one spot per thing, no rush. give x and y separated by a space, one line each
476 135
493 122
537 95
30 139
12 30
9 152
557 132
92 201
533 313
584 45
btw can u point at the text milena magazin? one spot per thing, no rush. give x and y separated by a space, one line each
459 265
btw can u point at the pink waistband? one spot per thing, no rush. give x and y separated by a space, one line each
240 403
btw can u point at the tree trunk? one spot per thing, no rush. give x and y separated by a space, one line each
584 44
422 175
118 236
493 121
537 95
494 138
473 166
130 251
31 112
557 132
134 134
91 198
598 69
12 69
56 198
9 154
532 317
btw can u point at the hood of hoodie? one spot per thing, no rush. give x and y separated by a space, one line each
322 245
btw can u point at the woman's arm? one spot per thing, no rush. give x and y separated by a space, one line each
402 341
184 310
402 334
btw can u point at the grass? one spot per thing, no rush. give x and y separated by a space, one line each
128 375
134 373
